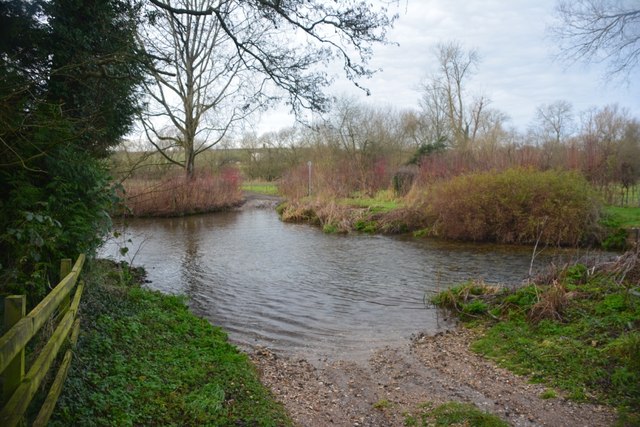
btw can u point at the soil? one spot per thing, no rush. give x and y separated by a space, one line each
396 381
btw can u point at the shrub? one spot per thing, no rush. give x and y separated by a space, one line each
58 214
176 195
515 206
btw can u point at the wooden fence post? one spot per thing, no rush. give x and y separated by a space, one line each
65 268
15 308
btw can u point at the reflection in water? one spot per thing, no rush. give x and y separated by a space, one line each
295 289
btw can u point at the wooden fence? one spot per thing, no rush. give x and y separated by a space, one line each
18 388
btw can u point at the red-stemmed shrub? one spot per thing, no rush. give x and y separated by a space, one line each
177 195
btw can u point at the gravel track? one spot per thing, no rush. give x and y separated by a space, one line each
396 381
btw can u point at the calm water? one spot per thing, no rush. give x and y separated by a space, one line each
295 289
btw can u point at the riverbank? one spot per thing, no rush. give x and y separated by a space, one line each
515 206
144 359
576 329
407 385
176 195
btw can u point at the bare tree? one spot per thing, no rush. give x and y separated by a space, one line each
216 61
445 102
554 122
601 31
435 114
297 35
603 132
199 87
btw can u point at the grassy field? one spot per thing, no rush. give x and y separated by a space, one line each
144 359
268 188
627 217
577 331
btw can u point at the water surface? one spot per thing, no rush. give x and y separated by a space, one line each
294 289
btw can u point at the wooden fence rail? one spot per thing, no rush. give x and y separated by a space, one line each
19 388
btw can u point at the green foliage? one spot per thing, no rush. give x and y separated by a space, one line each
96 68
589 351
475 307
383 201
330 228
144 359
515 206
382 404
615 237
428 149
453 414
548 394
68 79
365 226
576 274
47 221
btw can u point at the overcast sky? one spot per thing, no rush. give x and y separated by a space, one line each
517 69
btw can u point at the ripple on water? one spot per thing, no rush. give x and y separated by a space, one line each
294 289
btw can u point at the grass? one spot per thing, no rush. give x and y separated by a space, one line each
371 203
268 188
452 414
144 359
383 201
579 333
627 217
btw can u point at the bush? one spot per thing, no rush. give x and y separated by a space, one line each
176 195
57 214
515 206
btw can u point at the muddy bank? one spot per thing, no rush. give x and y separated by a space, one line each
394 382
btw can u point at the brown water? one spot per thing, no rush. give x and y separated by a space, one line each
295 289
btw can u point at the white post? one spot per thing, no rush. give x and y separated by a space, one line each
309 187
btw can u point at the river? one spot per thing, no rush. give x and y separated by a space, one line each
294 289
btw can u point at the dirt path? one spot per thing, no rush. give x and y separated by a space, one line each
395 381
259 201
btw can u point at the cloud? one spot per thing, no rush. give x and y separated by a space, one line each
517 71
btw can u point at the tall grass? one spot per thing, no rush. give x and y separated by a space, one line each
175 195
